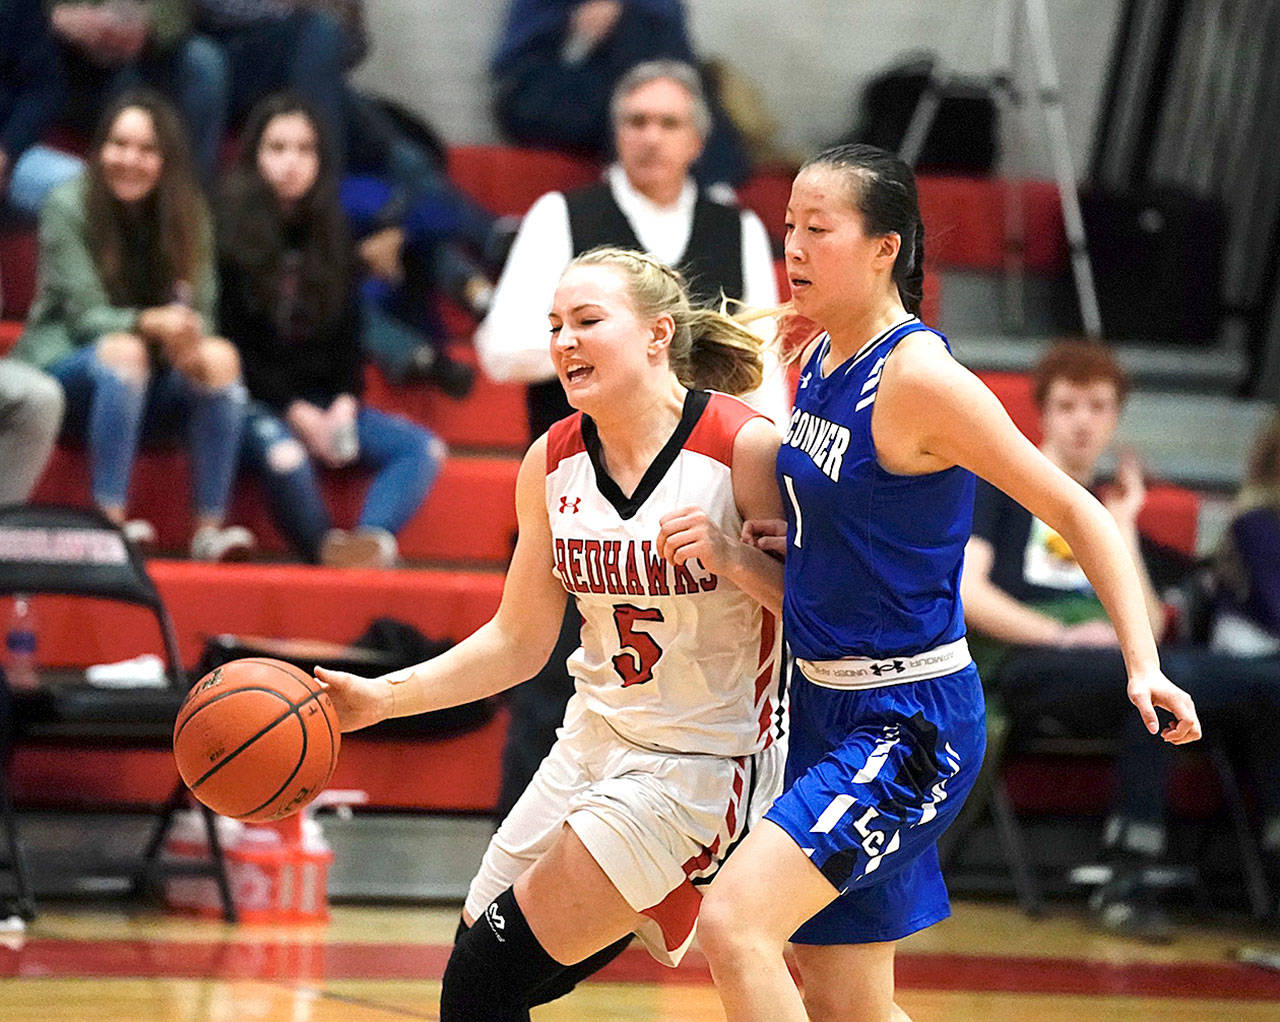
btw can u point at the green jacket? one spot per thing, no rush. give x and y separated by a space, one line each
170 19
71 307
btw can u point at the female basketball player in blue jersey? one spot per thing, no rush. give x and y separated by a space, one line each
887 720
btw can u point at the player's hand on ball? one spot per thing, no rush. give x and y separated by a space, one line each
359 701
1149 691
767 534
689 533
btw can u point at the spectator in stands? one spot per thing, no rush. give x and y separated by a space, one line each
647 201
1247 564
31 96
1046 652
123 317
30 414
112 45
267 45
559 61
410 264
418 234
291 304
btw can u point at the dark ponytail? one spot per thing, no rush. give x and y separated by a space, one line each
883 189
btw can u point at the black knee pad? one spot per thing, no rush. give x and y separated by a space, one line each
495 965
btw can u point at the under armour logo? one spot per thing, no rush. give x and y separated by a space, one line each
897 666
804 380
569 505
496 923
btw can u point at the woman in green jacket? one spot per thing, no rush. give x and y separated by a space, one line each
124 316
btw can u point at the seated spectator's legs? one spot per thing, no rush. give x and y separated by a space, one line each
197 78
1081 693
272 453
406 459
406 353
105 386
303 52
391 344
315 70
1239 698
30 414
194 75
211 411
38 171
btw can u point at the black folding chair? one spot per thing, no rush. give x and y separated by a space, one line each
77 552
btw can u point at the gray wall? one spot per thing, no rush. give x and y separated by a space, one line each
808 58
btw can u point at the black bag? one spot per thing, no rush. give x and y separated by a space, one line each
387 645
1157 259
962 137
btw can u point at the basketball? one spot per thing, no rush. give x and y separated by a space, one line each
256 739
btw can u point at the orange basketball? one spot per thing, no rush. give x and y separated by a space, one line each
256 739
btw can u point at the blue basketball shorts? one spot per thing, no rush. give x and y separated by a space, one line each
873 777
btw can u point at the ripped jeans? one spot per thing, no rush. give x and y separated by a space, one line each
113 414
405 459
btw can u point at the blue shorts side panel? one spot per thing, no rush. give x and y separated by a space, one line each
873 778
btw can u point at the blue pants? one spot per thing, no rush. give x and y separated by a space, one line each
113 415
301 51
873 777
192 74
405 459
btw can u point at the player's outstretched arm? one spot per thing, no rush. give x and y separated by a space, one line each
688 533
509 648
931 413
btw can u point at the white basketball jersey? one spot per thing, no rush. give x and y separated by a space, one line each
675 658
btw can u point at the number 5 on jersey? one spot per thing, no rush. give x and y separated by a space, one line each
635 660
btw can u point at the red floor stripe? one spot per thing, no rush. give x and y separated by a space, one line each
292 960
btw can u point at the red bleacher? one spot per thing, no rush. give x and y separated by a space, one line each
469 516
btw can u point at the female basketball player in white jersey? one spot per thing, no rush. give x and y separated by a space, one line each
634 505
887 719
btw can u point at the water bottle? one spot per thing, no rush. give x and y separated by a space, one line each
20 645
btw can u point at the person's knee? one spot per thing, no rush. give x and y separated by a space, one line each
124 355
219 362
45 405
726 933
495 966
205 62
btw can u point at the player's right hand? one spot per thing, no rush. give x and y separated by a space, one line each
767 534
1146 692
359 701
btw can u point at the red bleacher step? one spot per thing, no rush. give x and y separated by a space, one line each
493 417
278 600
454 773
469 514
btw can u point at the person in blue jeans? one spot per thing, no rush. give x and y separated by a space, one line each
108 46
32 93
123 318
265 46
290 302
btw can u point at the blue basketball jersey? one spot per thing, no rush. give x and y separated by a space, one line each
873 558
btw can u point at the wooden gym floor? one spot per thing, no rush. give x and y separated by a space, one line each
380 964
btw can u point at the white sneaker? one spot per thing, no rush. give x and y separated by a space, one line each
221 543
139 532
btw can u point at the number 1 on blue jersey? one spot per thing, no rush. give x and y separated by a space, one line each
795 504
